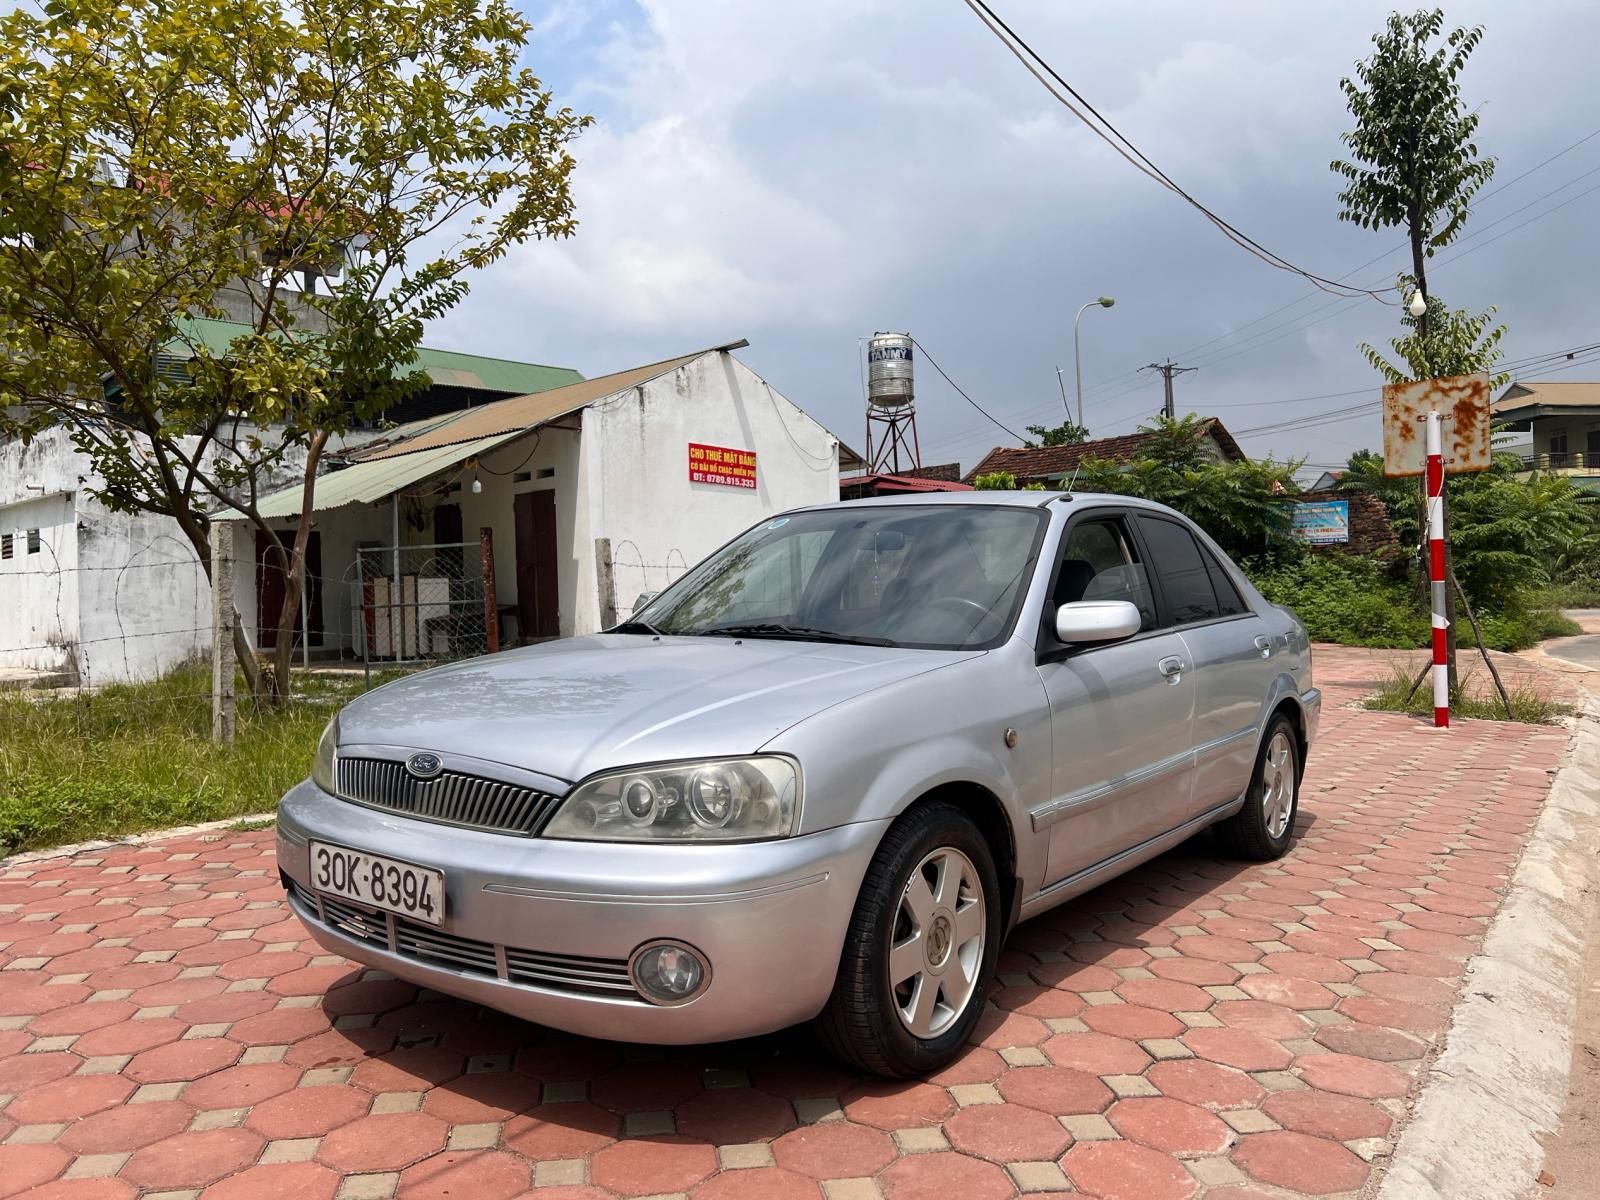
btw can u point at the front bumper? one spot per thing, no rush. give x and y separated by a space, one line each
769 918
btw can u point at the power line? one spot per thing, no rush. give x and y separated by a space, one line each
1109 134
934 363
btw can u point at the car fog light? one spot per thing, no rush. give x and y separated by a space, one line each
669 973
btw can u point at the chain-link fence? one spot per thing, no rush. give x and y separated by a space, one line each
412 604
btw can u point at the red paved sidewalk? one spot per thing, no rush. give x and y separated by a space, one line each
1197 1028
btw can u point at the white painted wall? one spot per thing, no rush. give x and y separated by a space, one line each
39 591
637 464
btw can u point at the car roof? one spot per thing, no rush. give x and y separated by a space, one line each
1010 499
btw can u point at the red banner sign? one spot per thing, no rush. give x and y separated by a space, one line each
722 465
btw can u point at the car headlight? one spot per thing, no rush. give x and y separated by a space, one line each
327 751
712 800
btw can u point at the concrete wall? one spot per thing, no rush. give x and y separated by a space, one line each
39 591
636 462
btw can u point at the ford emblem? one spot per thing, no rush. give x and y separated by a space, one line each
424 766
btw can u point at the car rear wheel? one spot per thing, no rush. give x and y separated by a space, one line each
920 948
1264 827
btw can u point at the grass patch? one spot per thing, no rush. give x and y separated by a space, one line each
254 826
1528 704
134 757
1575 593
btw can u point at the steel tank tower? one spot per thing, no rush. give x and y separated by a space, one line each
891 406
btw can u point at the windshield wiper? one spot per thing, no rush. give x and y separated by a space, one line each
636 627
777 629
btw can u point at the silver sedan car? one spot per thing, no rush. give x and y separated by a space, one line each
819 777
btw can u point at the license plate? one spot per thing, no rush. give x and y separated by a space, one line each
379 882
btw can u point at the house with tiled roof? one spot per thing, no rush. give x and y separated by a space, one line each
1054 465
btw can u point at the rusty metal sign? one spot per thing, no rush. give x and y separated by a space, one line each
1462 402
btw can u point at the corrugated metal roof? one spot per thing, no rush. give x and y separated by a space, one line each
448 368
366 482
1537 394
525 412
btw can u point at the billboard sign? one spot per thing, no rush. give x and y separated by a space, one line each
722 465
1320 522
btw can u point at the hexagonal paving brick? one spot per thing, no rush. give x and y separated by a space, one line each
192 1159
1096 1053
1169 1125
649 1166
81 1018
84 1189
340 1048
25 1167
894 1104
1237 1048
1206 1084
1270 1020
225 1008
475 1099
1350 1076
1006 1133
1300 1162
178 1061
999 1030
1035 1000
1287 991
940 1176
369 996
304 1112
127 1127
1059 1091
975 1064
565 1130
68 1099
1132 1021
279 1026
241 1086
385 1142
411 1069
834 1150
761 1183
1127 1171
730 1116
281 1181
478 1174
24 1071
1371 1041
1325 1114
1165 994
1201 972
645 1086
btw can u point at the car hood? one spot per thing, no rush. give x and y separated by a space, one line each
569 708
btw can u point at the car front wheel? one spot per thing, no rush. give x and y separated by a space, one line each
920 948
1263 828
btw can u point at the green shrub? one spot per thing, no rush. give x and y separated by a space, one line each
1527 704
1349 600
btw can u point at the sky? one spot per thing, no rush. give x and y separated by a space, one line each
803 175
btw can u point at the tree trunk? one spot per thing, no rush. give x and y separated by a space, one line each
295 574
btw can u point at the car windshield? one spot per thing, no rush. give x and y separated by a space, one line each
931 576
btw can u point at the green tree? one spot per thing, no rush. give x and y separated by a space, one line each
1003 481
1240 504
1414 163
328 173
1068 433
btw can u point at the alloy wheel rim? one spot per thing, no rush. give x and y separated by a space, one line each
1277 785
936 946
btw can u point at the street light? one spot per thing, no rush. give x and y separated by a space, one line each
1077 364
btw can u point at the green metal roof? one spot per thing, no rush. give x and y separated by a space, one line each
367 482
447 368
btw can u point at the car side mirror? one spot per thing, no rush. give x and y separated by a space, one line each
1097 621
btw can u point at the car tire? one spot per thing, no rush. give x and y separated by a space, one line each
930 905
1264 827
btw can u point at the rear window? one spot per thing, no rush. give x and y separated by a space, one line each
1184 579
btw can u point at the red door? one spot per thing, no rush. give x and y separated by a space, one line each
537 594
270 589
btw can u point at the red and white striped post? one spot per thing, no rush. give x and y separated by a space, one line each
1441 667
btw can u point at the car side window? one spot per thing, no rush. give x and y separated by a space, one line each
1099 562
1184 578
1229 602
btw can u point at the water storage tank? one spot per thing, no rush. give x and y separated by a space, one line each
889 370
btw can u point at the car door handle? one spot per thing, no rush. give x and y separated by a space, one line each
1172 668
1264 644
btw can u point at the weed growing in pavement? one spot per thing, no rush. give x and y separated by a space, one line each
1528 704
131 757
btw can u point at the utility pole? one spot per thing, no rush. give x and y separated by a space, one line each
1167 372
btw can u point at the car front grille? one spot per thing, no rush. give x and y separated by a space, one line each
451 798
435 947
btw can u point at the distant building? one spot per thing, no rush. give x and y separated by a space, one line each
1563 420
1326 481
942 477
1053 465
